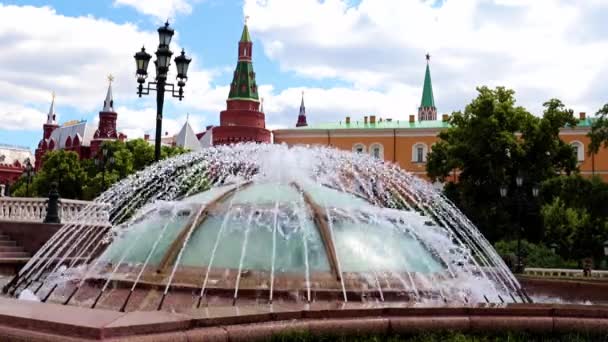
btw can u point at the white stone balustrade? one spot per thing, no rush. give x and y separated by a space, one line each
563 273
70 211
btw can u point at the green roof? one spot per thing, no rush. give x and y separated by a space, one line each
379 125
427 91
243 85
245 35
399 124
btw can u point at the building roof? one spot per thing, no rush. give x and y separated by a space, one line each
84 132
186 138
50 117
427 90
9 154
243 85
245 38
398 124
108 103
378 125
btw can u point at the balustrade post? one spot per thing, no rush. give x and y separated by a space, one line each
52 211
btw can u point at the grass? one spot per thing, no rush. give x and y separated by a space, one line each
445 337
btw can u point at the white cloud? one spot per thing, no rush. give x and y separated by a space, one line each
72 56
136 123
161 9
542 49
17 117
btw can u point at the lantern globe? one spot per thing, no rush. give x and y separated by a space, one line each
142 58
182 62
165 33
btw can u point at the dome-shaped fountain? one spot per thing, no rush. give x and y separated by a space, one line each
263 223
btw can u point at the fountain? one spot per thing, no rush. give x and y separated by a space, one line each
257 224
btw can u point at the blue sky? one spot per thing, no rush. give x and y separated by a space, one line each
349 57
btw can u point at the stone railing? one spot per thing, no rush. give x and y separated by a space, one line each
563 273
34 210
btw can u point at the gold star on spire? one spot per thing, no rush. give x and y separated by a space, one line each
246 19
110 78
53 95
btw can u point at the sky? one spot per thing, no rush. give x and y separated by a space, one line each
349 57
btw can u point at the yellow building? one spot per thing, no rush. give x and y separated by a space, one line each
407 142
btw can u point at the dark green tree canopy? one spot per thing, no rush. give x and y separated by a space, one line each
490 143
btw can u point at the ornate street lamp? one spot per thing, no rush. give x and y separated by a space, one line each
106 158
503 191
162 63
29 173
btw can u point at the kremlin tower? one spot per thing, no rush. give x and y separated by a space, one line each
302 116
106 129
427 110
243 119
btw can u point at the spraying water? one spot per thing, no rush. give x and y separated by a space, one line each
269 222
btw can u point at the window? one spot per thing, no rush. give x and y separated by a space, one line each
359 148
579 150
376 150
419 152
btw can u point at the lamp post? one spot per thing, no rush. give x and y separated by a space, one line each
519 182
106 158
162 63
29 172
606 250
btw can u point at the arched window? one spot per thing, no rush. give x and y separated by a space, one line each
579 150
376 150
68 142
419 151
359 148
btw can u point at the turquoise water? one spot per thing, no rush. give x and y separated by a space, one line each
249 215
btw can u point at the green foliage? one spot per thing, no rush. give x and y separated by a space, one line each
575 215
533 255
85 179
484 144
599 131
64 168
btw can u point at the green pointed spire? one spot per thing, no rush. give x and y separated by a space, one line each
243 85
427 90
245 38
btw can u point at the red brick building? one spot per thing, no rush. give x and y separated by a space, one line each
12 162
78 136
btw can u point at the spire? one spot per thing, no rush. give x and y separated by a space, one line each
245 38
108 103
302 108
50 117
427 110
243 85
302 116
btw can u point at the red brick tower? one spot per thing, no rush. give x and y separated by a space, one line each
242 121
48 128
106 130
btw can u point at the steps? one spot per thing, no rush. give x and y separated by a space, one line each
9 248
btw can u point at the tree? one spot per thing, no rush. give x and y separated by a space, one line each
598 133
492 142
575 215
64 168
142 151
